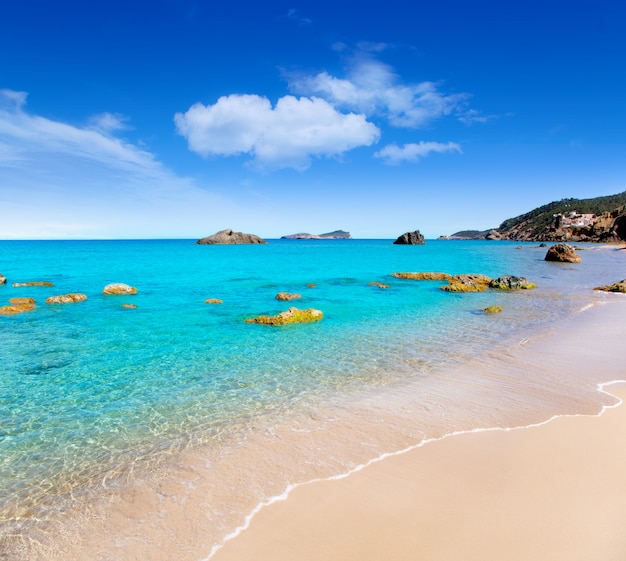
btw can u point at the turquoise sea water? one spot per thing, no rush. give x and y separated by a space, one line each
92 388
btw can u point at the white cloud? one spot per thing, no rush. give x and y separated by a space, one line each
372 87
394 154
28 133
64 181
288 135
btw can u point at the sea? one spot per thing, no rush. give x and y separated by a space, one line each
139 432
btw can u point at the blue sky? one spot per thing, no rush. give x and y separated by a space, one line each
176 119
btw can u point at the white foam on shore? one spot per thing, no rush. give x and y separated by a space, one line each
290 488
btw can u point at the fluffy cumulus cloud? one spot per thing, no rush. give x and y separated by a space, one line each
373 88
394 154
287 135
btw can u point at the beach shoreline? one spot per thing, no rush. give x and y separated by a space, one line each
170 515
553 491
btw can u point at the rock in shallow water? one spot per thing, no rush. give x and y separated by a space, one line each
66 298
119 288
617 287
562 253
292 315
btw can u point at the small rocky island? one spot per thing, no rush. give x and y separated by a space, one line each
231 237
336 235
411 238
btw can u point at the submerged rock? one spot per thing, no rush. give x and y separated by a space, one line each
411 238
213 301
422 276
66 298
616 287
292 315
32 283
562 253
119 288
287 296
21 301
467 283
129 306
378 284
512 283
27 305
230 237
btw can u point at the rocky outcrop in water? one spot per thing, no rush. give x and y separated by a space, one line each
422 276
292 315
616 287
562 253
231 237
411 238
512 283
287 296
3 279
18 306
213 301
119 288
32 283
492 310
467 283
66 298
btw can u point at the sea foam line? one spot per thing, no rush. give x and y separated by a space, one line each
285 494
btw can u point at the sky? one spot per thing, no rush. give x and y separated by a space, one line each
180 118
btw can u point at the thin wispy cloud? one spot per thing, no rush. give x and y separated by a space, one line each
294 15
372 87
96 183
413 152
287 135
27 134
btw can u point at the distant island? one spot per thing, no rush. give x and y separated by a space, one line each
336 235
601 219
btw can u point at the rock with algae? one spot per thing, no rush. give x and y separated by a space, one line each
32 283
422 276
492 310
378 284
616 287
213 301
292 315
512 283
467 283
287 296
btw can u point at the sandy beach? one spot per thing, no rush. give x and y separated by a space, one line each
550 492
554 491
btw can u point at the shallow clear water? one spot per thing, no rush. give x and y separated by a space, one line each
91 388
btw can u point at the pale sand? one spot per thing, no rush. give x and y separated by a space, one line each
554 492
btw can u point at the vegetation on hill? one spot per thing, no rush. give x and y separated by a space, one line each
538 220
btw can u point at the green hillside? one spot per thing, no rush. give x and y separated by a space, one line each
539 219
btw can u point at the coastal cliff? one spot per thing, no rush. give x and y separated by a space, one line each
601 219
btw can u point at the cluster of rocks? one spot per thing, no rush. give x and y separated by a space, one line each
20 305
470 282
